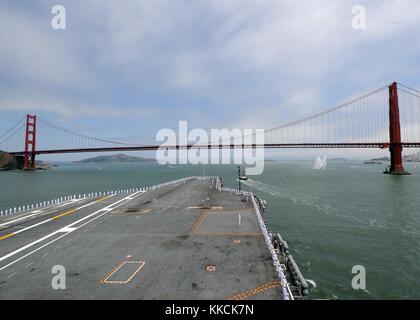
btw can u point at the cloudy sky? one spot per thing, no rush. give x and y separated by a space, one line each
125 69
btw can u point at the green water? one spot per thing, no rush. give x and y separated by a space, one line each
349 214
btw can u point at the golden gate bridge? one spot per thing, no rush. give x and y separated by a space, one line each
385 118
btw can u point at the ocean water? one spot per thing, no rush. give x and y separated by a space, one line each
346 215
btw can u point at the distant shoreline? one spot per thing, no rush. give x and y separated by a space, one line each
117 158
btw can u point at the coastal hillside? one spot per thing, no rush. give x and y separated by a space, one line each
7 161
117 158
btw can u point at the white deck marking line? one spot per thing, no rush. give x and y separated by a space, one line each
18 219
36 212
240 201
58 231
106 209
13 274
27 246
30 227
65 229
35 225
29 264
70 202
28 254
53 218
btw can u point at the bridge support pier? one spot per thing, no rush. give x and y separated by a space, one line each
30 140
395 147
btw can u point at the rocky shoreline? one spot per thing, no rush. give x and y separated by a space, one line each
10 162
7 161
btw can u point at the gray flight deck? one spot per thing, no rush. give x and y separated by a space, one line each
183 241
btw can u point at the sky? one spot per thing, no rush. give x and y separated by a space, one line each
125 69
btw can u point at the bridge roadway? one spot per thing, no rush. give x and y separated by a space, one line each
177 242
355 145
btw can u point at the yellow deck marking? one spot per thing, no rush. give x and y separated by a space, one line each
104 198
64 214
73 210
257 290
7 236
199 221
56 217
119 266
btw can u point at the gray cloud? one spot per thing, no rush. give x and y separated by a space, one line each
233 63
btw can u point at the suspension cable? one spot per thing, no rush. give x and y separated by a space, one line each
407 87
410 93
16 124
346 104
12 133
84 136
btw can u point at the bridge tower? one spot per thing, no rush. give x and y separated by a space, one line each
395 147
30 140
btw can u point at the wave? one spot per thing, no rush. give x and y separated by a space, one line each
278 192
349 212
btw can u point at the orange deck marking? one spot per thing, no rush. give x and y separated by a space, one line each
118 267
255 291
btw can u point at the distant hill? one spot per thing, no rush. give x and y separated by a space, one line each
414 157
115 159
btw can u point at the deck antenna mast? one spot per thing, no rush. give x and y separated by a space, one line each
239 177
